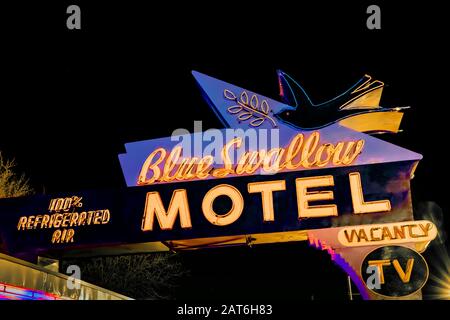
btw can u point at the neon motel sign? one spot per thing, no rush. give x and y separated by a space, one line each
277 172
299 149
308 155
347 151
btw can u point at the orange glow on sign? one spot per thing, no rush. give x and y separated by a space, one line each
179 204
164 166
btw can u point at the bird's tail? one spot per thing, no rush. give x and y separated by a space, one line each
366 95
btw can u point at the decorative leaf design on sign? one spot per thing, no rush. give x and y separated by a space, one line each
254 102
245 116
245 110
235 109
229 95
256 122
265 107
244 97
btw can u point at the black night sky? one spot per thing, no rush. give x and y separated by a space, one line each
71 99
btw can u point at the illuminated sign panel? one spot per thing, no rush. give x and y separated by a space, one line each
187 210
287 171
63 216
389 233
301 152
396 271
324 146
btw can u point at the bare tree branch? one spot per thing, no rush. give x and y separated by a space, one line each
142 276
12 185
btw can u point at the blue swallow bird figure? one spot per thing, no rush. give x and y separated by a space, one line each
357 108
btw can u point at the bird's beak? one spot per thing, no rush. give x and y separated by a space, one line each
285 109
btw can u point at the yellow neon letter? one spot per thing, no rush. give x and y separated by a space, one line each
359 205
266 189
227 168
303 197
148 165
236 208
380 264
178 204
22 223
404 275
